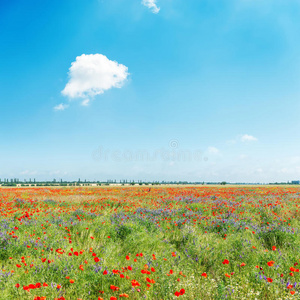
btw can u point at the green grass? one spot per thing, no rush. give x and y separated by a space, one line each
190 236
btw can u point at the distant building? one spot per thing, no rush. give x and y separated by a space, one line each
296 182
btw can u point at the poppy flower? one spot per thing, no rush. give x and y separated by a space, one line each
182 291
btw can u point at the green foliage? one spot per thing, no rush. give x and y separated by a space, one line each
123 232
277 237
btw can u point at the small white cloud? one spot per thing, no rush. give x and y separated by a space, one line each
93 74
243 156
213 150
27 172
248 138
60 106
152 5
85 102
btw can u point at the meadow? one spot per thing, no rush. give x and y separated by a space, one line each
205 242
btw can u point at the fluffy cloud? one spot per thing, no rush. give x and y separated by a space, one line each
85 102
152 5
248 138
93 74
61 106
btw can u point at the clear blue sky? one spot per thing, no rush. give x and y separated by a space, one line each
210 90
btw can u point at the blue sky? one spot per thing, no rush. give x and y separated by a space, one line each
196 90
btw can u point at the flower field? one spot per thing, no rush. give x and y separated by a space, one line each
203 242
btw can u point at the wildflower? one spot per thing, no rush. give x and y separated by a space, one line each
38 285
225 262
134 283
271 263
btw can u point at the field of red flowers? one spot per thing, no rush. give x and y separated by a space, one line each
163 243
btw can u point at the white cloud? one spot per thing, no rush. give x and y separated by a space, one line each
27 172
152 5
248 138
61 106
93 74
85 102
213 150
242 156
